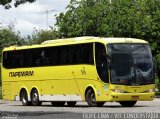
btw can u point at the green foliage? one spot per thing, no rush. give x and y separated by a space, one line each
158 65
6 3
157 82
40 36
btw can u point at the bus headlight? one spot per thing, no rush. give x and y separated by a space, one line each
117 90
150 90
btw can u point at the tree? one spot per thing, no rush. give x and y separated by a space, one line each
40 36
6 3
158 65
127 18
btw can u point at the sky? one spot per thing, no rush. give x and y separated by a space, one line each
27 17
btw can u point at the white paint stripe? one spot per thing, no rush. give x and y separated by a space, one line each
60 98
55 98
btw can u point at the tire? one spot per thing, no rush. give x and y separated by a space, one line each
24 98
35 98
127 103
90 98
71 104
58 103
100 104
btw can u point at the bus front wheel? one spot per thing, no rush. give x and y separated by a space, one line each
24 98
127 103
35 98
90 98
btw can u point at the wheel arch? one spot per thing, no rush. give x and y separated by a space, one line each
23 89
35 88
90 87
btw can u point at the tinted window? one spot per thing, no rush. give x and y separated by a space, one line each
60 55
101 62
131 64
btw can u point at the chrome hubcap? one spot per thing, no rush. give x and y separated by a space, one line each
35 97
24 100
93 98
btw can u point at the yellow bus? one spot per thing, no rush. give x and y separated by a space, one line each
91 69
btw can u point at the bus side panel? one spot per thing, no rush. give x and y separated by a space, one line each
54 87
54 80
67 81
15 86
6 92
46 87
58 82
86 76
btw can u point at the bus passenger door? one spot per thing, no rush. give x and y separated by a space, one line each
102 64
83 67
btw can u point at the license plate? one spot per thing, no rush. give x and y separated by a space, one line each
135 97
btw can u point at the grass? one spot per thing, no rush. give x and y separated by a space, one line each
157 93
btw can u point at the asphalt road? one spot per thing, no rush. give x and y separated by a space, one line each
143 109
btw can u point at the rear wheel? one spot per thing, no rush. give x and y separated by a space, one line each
72 103
35 98
24 98
58 103
127 103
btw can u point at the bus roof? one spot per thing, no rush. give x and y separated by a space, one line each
78 40
95 39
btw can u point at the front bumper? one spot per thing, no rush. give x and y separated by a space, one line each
132 96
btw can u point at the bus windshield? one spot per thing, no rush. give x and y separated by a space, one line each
131 64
